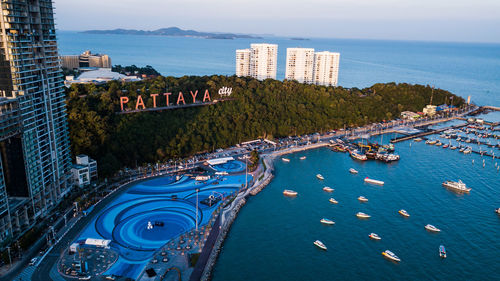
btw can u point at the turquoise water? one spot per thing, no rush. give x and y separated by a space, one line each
272 238
463 68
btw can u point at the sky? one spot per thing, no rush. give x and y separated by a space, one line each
422 20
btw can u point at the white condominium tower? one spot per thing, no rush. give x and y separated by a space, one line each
243 62
326 68
262 61
299 64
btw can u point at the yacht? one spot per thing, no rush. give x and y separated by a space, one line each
458 186
332 200
368 180
390 255
362 215
285 159
288 192
319 176
362 199
404 213
442 251
374 236
303 158
430 227
327 221
328 189
353 171
357 156
320 244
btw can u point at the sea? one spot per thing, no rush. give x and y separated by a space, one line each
272 237
466 69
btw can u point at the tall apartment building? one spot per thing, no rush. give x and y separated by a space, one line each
326 68
261 60
243 62
299 64
86 59
34 142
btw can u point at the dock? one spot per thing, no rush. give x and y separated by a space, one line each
426 133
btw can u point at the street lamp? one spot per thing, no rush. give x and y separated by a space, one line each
197 209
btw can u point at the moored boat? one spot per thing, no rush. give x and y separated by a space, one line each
439 143
320 244
362 199
353 171
362 215
432 228
390 255
303 158
354 154
442 251
404 213
327 221
457 186
319 176
328 189
497 210
453 147
288 192
446 146
417 139
332 200
285 159
368 180
374 236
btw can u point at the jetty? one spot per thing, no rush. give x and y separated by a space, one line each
426 133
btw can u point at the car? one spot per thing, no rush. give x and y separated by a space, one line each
33 261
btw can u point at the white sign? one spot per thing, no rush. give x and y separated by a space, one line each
225 91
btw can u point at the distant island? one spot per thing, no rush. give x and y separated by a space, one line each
172 31
299 38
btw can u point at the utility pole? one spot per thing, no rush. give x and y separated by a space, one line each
197 209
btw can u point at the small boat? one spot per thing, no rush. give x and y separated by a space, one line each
368 180
453 147
288 192
497 210
319 176
362 215
362 199
457 186
333 201
439 143
442 251
328 189
431 142
467 151
462 149
285 159
417 139
390 255
432 228
320 244
404 213
353 171
356 155
446 146
374 236
303 158
327 221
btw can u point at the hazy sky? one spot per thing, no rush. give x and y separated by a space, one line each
436 20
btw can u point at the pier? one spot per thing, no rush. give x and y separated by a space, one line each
426 133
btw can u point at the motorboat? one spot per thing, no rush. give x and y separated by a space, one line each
439 143
327 221
453 147
332 200
457 186
285 159
467 150
288 192
303 158
320 244
319 176
390 255
462 149
497 210
353 171
404 213
374 236
431 142
362 215
417 139
442 251
432 228
362 199
356 155
368 180
446 146
328 189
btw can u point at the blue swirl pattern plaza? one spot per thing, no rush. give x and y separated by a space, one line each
150 214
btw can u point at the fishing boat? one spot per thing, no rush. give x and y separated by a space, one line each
353 171
374 236
372 181
390 255
457 186
319 176
354 154
320 244
432 228
328 189
404 213
285 159
417 139
303 158
362 199
332 200
327 221
442 251
362 215
288 192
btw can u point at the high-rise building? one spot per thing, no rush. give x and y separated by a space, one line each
263 61
299 64
243 62
34 142
326 68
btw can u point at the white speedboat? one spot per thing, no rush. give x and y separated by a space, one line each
497 210
303 158
328 189
467 150
432 228
457 186
285 159
362 199
288 192
332 200
319 176
404 213
327 221
390 255
320 244
374 236
372 181
417 139
353 171
362 215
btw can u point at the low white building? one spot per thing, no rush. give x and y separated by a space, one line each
98 76
84 160
81 175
